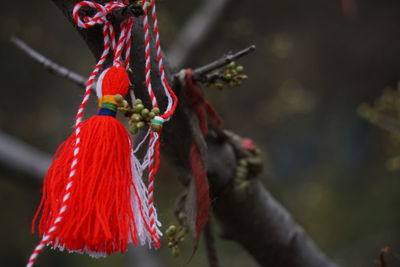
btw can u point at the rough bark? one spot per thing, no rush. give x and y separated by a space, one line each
257 222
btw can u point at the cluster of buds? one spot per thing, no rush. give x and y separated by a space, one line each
230 76
241 182
139 115
175 235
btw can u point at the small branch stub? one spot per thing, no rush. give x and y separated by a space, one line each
199 73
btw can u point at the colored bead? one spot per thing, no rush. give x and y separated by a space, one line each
145 112
109 106
155 127
133 129
156 123
136 117
138 108
157 120
119 99
156 111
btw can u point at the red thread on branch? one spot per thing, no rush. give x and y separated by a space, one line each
203 110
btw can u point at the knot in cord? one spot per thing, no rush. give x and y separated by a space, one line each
100 17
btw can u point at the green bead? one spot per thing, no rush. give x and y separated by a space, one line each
156 111
155 127
145 112
152 115
119 99
136 117
240 69
138 101
125 103
133 129
228 77
138 108
140 124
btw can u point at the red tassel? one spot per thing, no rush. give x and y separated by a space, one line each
99 218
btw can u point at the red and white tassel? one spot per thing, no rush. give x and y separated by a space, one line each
152 157
94 199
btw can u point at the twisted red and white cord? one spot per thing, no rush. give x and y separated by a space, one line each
152 155
108 33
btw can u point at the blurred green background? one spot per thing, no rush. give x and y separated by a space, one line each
314 65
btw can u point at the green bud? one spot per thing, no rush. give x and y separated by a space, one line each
171 231
239 69
231 65
140 124
156 111
152 115
125 103
175 251
243 162
138 101
228 76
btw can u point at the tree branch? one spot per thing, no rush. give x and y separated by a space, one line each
23 158
253 217
257 222
198 74
49 64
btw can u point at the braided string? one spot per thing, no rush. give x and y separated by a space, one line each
153 152
172 99
98 18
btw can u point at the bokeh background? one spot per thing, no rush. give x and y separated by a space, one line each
316 62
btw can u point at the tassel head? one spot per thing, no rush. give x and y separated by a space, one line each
113 81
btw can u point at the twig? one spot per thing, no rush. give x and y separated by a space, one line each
49 64
23 158
199 73
195 31
210 246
